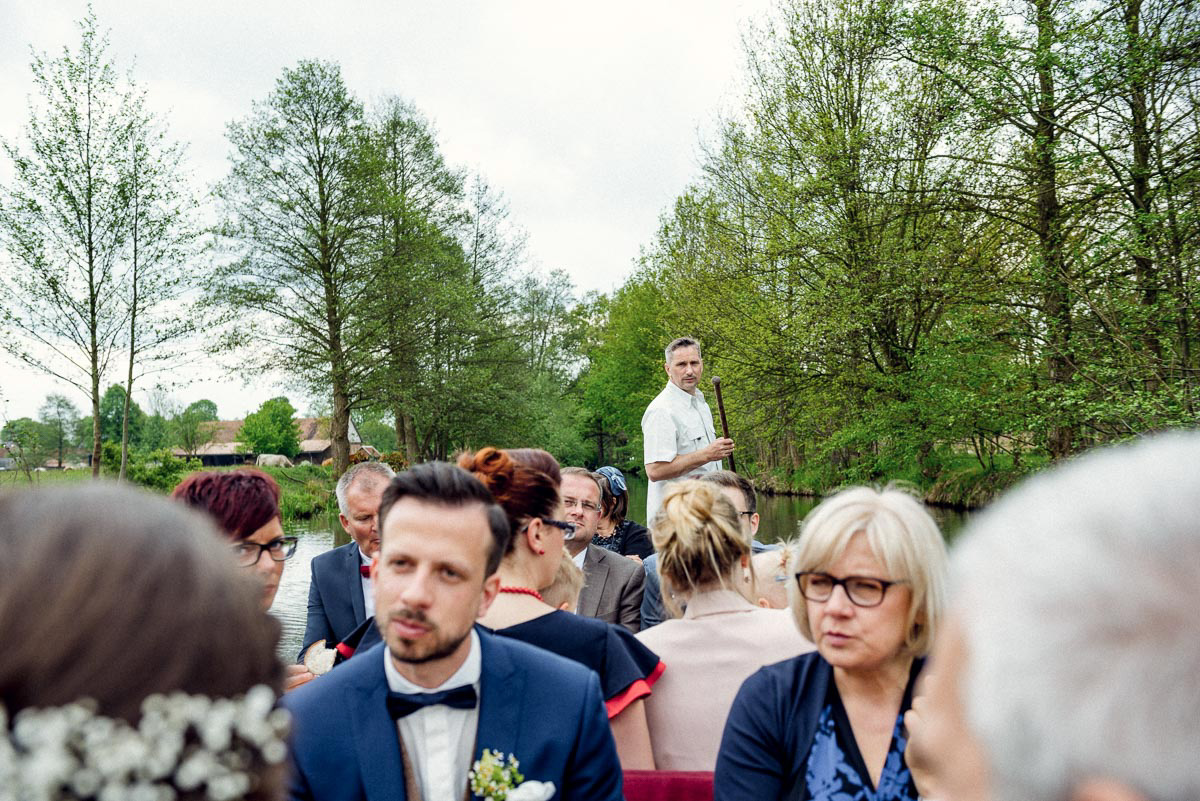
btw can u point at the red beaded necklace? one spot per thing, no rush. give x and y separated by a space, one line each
521 591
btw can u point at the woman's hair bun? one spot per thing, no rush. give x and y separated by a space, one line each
493 467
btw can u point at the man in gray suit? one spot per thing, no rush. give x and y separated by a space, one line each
612 584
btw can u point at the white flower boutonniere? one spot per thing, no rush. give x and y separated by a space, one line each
493 778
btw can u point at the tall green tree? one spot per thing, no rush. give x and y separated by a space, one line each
295 220
64 220
120 418
59 414
416 204
271 429
192 429
162 232
30 443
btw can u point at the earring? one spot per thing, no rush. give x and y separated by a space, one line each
541 551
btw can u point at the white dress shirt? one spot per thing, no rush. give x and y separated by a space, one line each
367 588
579 557
675 422
439 740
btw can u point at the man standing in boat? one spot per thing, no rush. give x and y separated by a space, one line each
677 427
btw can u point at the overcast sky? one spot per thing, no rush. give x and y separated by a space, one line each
587 117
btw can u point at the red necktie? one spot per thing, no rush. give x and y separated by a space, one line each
364 571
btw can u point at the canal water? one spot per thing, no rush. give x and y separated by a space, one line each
780 519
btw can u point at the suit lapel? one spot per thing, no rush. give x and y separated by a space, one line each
595 573
353 561
501 692
375 737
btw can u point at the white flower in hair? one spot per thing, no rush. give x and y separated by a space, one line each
182 743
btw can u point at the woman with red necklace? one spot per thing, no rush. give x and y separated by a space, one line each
525 484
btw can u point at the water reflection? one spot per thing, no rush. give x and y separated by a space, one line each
780 515
291 600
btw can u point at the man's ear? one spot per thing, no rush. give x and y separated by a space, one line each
1105 790
754 520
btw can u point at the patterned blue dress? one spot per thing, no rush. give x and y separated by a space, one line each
836 770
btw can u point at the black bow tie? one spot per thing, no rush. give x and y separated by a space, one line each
402 704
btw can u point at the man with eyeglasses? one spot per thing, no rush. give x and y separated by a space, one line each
612 584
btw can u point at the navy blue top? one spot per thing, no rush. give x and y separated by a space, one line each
627 538
773 724
836 770
612 651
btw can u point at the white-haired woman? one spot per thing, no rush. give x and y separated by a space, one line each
869 589
721 638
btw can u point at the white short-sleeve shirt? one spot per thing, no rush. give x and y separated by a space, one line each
674 423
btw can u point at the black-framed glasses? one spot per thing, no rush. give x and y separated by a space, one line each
747 514
279 549
568 529
862 591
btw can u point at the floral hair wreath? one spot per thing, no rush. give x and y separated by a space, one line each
182 744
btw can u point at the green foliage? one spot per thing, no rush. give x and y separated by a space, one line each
112 411
61 416
29 442
158 470
377 434
191 429
305 490
203 409
904 268
271 429
395 460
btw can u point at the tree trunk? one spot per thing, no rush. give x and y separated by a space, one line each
1145 270
339 425
133 313
1056 293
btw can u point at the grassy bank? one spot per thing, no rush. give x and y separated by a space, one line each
306 491
957 481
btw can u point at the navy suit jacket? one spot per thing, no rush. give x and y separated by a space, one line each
545 710
335 598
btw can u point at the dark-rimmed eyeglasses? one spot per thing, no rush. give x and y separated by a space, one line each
862 591
568 529
248 553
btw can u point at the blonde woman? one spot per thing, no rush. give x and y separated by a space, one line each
721 638
868 590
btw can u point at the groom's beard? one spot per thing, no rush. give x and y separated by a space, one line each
433 645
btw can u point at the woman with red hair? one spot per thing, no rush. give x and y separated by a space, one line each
244 503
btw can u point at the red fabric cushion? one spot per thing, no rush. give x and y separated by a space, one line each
668 785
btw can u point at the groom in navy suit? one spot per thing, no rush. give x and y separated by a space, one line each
340 597
408 719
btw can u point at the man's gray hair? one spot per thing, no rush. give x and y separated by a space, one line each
365 471
1077 594
682 342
